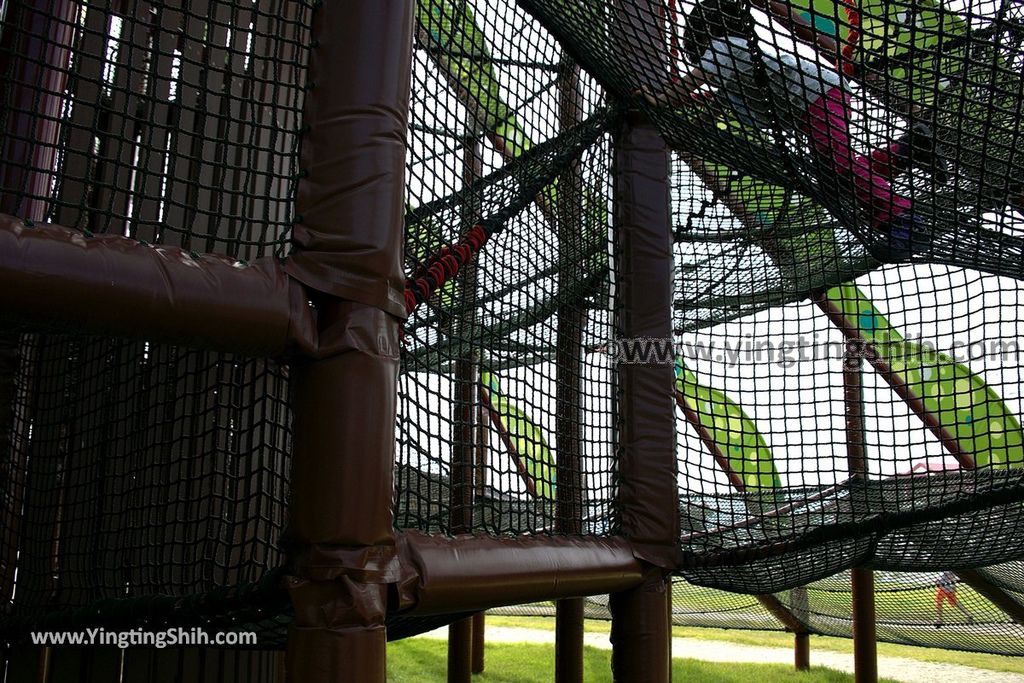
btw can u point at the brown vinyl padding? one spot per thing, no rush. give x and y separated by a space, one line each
641 633
467 573
338 633
353 151
348 242
52 277
648 496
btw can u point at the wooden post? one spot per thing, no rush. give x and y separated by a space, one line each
462 479
571 320
865 656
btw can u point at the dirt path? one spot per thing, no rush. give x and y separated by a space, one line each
894 668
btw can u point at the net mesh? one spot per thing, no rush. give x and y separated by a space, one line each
905 607
146 483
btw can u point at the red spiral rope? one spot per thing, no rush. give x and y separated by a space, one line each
435 271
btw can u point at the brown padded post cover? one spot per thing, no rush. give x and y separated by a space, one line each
467 573
641 634
55 277
648 492
348 239
355 119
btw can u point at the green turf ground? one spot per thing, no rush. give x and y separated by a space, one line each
423 660
785 640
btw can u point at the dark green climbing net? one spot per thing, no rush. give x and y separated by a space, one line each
145 484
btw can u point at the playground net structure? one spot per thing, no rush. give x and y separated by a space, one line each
846 363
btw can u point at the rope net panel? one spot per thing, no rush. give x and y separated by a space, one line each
796 95
171 123
769 482
505 133
905 605
145 484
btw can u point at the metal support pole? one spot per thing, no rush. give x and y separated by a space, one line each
802 650
853 400
460 651
569 640
865 656
348 241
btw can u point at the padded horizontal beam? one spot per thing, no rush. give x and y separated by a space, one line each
469 573
57 279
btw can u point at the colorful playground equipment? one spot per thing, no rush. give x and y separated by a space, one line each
337 322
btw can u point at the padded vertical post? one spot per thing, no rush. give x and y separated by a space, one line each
348 241
647 469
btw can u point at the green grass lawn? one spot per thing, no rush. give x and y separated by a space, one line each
423 660
785 640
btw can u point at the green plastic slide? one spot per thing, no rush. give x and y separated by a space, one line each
449 31
528 445
966 407
734 433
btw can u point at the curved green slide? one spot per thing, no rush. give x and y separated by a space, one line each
526 440
965 406
735 435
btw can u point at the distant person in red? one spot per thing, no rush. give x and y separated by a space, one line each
945 592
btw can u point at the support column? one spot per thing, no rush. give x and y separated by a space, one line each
460 651
568 363
348 242
648 497
865 656
465 408
802 651
478 642
35 48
